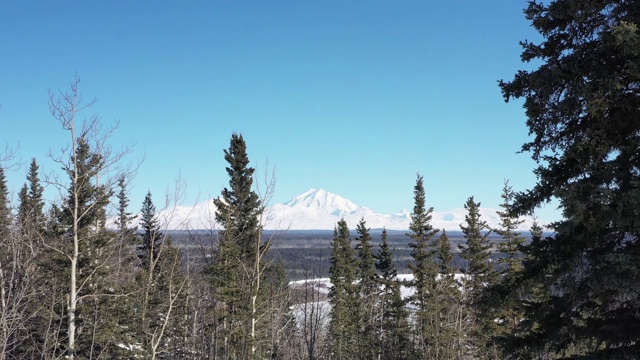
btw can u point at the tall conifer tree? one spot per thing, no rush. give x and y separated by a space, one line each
424 269
512 240
476 251
367 287
124 217
446 303
31 208
91 247
582 103
479 273
500 298
151 239
5 207
343 296
23 208
392 328
36 192
236 268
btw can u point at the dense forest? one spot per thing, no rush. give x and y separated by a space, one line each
74 285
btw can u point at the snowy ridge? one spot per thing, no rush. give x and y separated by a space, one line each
318 209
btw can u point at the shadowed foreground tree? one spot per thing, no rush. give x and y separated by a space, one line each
583 111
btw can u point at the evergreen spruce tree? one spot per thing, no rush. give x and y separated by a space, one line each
23 208
31 209
36 196
447 302
239 206
479 273
237 269
151 239
582 106
124 217
5 208
367 287
526 292
343 295
512 240
148 249
424 269
444 255
501 298
82 215
392 326
163 286
476 251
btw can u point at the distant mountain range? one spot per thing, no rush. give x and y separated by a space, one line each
317 209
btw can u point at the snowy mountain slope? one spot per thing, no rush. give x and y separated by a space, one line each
318 209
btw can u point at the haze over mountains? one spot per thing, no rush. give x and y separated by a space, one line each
318 209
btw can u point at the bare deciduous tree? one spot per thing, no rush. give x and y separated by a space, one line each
85 213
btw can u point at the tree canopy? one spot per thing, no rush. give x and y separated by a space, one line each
583 112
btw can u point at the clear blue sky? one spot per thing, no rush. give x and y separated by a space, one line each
351 96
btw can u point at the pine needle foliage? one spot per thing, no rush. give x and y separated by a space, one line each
392 329
152 238
343 296
237 267
479 274
5 208
582 105
424 269
367 287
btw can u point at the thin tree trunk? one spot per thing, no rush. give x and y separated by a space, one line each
73 295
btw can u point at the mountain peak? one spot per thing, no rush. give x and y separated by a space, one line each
322 201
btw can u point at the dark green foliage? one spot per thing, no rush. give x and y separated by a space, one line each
5 207
444 256
343 296
151 239
447 304
159 309
424 269
124 217
84 215
367 287
512 240
238 208
23 208
91 198
31 209
583 107
476 251
502 298
392 330
479 273
526 290
35 195
237 268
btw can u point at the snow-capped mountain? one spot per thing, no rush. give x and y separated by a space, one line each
322 201
318 209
